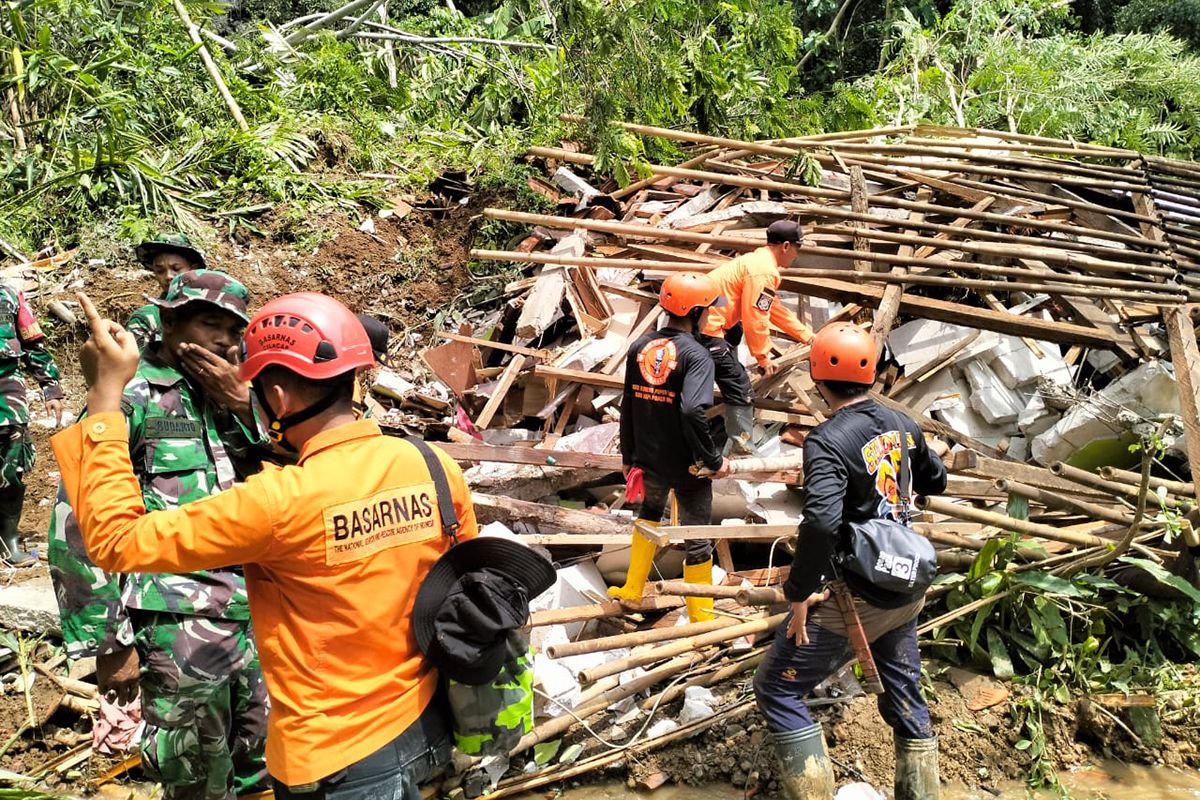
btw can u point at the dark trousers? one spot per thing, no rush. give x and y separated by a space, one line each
695 499
394 771
732 378
788 673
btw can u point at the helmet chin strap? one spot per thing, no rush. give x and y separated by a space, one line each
277 426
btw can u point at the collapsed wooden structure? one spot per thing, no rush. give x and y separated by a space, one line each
1061 245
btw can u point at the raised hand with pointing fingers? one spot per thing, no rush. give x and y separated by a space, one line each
109 360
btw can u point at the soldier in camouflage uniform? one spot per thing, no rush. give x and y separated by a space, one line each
166 256
22 343
203 696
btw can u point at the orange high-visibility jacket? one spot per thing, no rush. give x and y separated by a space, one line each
749 283
334 550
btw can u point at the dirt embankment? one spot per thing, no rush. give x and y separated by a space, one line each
403 270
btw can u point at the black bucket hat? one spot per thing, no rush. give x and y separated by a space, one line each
377 333
473 598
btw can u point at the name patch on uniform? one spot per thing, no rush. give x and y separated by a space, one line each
386 519
765 300
172 428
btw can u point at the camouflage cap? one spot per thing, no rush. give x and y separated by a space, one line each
206 286
169 243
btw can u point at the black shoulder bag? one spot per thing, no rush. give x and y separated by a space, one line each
889 555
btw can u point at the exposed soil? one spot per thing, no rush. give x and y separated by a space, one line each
976 748
406 271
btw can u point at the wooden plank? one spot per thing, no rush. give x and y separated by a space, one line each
478 451
666 534
1185 356
489 508
1086 310
889 304
500 392
580 376
959 314
859 204
488 343
965 462
644 324
544 301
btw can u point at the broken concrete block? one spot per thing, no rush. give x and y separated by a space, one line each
954 409
1108 415
1036 418
31 607
1018 366
994 401
922 342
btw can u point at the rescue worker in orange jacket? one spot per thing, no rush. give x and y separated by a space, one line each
749 284
334 548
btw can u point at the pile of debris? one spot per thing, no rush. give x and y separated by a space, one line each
1044 290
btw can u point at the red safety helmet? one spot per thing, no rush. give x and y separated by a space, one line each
844 352
309 333
685 291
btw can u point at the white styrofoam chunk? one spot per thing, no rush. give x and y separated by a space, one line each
994 401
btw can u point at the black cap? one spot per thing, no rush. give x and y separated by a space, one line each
783 230
474 597
377 333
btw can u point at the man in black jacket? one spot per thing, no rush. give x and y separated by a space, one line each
665 431
851 474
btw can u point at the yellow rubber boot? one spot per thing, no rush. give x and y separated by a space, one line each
641 556
699 608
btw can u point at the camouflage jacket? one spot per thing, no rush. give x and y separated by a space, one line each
183 448
145 324
22 343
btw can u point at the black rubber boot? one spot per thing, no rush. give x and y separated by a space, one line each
11 504
804 766
916 769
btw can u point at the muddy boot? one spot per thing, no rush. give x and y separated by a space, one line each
10 518
739 426
916 769
804 766
641 557
699 608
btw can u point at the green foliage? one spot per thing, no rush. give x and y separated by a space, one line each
1180 18
1016 65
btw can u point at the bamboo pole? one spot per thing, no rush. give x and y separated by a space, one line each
1054 500
663 652
939 505
1185 488
816 210
1050 255
879 277
636 638
1100 150
1163 293
786 187
1114 487
761 596
672 693
788 148
684 589
560 724
210 66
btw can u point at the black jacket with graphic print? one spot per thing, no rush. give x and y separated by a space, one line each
668 390
847 470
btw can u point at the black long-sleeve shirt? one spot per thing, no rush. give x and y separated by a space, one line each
668 389
851 470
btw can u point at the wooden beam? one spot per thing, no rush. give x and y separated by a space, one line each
488 343
500 392
1185 356
747 532
478 452
959 314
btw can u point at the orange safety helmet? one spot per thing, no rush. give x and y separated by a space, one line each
685 291
844 352
311 334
